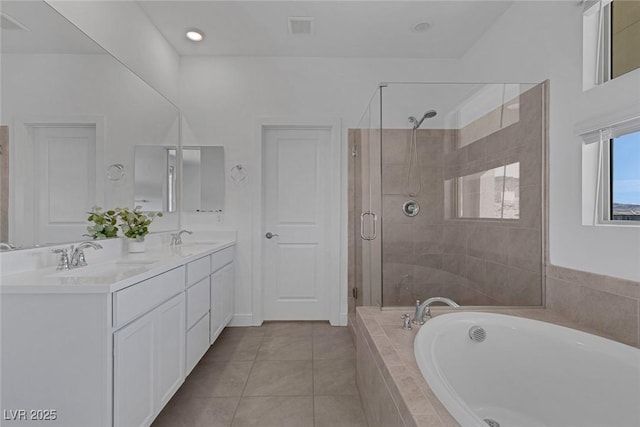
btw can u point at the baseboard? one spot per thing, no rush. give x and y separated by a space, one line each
241 320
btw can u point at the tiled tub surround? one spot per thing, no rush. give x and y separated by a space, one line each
394 392
473 261
607 304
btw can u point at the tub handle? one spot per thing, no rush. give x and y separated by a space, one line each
406 322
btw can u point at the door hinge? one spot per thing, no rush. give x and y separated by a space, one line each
354 291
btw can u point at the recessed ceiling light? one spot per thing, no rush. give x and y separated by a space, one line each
513 106
421 27
195 35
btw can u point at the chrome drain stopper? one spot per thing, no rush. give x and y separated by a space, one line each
477 333
492 423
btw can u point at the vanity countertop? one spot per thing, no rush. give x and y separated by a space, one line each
111 275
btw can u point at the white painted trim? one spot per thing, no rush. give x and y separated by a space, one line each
22 133
621 120
241 320
335 245
344 320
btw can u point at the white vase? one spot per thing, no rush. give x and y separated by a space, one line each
136 246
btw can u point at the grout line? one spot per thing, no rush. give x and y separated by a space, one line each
313 385
253 363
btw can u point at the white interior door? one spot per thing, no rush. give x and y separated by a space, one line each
65 178
296 263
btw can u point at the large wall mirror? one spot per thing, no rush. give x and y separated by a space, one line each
72 117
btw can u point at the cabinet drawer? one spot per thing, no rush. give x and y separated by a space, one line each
198 301
197 343
198 270
138 299
221 258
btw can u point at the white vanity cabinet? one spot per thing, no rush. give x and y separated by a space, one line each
198 310
210 302
221 299
110 350
149 352
222 291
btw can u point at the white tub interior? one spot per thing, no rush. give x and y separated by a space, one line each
528 373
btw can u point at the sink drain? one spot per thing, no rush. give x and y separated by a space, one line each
491 423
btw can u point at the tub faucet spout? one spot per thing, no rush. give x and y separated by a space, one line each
423 310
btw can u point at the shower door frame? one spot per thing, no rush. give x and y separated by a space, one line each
374 163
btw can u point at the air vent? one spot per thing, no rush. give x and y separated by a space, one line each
301 26
9 23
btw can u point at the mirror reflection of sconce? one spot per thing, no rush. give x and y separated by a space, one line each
238 174
115 172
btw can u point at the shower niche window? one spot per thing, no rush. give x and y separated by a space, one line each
490 194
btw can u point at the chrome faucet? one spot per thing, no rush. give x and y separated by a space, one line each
77 254
5 245
423 311
176 238
63 264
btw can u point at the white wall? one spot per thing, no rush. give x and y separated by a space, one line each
534 41
222 99
125 31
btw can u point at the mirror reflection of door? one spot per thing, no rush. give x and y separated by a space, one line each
4 184
65 181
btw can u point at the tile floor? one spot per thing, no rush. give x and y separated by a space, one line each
282 374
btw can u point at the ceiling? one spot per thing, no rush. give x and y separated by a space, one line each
48 31
342 28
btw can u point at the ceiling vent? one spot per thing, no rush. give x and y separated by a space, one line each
301 26
12 24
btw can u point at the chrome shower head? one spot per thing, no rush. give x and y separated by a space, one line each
428 115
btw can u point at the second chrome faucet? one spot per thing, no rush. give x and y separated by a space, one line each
176 238
77 255
423 310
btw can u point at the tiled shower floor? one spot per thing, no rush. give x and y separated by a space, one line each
282 374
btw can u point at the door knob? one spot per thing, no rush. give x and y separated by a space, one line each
269 235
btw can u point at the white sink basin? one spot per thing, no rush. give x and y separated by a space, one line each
105 270
135 262
201 243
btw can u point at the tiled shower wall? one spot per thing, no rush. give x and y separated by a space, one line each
473 261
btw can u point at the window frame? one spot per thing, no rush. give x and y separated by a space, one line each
606 201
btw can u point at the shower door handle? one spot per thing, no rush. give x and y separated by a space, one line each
375 220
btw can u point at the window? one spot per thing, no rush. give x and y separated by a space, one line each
625 27
610 34
490 194
624 178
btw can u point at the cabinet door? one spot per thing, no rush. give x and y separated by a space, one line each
170 348
133 384
217 301
228 278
